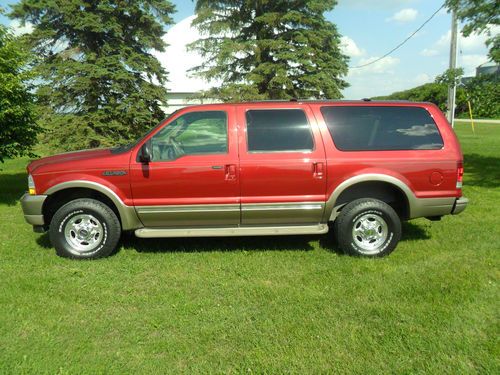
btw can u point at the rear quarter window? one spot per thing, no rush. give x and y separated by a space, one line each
370 128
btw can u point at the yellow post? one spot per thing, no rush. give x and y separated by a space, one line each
471 119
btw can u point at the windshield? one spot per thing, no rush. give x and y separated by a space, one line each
127 147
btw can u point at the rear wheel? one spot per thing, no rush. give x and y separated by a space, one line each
368 227
85 229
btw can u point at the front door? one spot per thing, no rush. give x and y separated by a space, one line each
193 178
282 165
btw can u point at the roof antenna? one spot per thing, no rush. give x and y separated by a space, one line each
294 100
366 99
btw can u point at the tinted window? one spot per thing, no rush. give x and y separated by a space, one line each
382 128
278 130
191 134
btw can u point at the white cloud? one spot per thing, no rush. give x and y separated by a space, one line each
470 62
17 29
472 44
350 48
429 52
177 60
376 79
475 41
379 4
444 40
366 86
422 79
385 65
404 15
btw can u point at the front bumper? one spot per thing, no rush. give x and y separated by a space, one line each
460 205
32 208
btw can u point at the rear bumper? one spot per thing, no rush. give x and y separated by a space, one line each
435 207
460 205
32 208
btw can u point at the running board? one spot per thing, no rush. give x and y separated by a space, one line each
232 231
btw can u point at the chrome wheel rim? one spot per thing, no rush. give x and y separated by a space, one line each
83 233
369 232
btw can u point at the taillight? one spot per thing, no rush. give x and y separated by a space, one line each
460 175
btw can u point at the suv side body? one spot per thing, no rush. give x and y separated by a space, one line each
255 169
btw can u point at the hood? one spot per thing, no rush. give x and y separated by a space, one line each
68 157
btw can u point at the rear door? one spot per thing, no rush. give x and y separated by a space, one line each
282 165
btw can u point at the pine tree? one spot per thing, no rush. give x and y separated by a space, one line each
98 82
269 49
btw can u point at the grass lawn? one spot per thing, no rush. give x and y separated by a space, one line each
260 305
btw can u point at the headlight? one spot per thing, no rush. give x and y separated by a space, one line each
31 185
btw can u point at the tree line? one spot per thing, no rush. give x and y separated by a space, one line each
482 92
86 76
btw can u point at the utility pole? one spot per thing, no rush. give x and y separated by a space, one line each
452 89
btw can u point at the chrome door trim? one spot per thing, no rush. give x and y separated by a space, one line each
189 215
187 208
282 213
281 206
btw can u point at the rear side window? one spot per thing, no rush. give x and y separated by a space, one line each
277 130
367 128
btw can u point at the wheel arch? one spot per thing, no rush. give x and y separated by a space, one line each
388 189
65 192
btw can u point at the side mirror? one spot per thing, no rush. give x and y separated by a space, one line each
145 154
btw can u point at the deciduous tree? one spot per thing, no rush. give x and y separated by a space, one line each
18 128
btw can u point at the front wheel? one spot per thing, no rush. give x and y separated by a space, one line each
85 229
368 227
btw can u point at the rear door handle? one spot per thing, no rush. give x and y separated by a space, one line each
318 170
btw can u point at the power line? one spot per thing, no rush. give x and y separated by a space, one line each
402 43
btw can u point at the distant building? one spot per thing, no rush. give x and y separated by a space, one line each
483 69
489 68
177 100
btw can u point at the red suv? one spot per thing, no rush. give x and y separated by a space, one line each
252 169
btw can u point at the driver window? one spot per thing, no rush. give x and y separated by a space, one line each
195 133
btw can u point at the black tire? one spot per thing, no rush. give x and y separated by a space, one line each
368 227
85 229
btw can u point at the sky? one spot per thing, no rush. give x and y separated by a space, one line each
369 29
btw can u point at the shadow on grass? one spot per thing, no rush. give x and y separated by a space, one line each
12 187
413 231
482 171
44 241
209 244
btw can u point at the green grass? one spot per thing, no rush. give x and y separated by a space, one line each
260 305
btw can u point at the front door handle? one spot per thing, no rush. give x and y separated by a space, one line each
230 170
318 170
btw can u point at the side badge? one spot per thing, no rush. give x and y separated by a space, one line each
114 173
